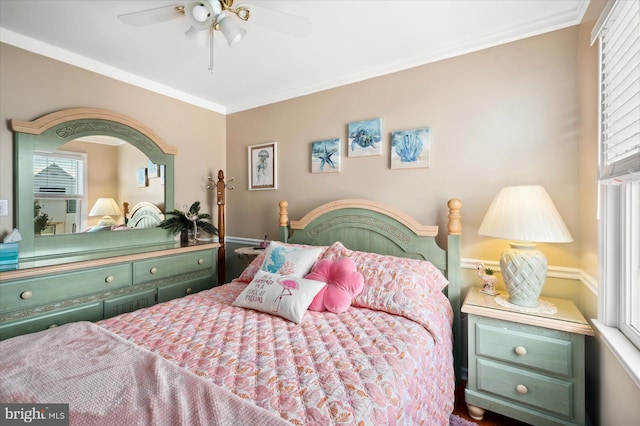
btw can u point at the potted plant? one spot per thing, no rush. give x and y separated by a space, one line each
40 218
181 221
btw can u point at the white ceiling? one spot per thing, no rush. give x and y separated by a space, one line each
350 40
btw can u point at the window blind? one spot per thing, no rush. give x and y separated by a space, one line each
57 175
620 93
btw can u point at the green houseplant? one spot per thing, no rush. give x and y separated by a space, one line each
178 222
40 218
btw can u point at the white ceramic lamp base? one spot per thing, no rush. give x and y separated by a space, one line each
106 221
524 270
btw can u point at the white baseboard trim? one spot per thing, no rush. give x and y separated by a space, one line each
576 274
553 271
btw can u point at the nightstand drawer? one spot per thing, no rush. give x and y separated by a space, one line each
524 345
525 387
47 289
158 268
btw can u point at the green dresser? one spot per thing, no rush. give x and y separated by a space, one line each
39 297
528 366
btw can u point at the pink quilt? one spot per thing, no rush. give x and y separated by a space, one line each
360 367
109 381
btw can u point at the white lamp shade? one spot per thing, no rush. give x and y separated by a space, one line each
199 37
524 213
231 30
105 207
200 14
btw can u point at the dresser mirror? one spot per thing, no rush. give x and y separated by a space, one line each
107 156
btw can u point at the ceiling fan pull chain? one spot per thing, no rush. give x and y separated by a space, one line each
211 70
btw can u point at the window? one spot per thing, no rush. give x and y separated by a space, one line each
58 188
618 33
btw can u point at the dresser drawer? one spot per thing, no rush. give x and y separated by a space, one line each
163 267
129 302
87 312
184 288
42 290
526 387
524 345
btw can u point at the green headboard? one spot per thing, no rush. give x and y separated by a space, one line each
374 227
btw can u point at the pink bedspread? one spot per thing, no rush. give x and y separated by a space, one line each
361 367
109 381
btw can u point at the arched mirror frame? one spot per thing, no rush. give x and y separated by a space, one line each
51 131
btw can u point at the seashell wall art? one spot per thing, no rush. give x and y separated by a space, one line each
410 149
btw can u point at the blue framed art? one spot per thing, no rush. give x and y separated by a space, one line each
411 149
365 138
325 156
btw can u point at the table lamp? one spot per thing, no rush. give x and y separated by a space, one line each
525 215
105 207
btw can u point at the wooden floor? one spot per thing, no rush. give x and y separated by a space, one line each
490 419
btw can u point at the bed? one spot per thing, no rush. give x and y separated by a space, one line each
143 215
385 358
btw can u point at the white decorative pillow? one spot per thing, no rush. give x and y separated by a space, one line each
285 259
282 295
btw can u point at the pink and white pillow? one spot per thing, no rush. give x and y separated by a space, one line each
282 295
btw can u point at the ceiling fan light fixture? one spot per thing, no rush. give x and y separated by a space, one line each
231 30
199 37
200 14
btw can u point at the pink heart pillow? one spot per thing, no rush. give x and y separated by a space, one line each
343 280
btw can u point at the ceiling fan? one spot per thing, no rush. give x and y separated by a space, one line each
208 16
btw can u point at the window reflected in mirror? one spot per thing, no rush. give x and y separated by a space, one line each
70 180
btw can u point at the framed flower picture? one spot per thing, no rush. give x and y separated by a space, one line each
263 172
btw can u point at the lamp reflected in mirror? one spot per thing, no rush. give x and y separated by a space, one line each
105 207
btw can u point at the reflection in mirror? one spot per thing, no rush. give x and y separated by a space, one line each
69 181
110 171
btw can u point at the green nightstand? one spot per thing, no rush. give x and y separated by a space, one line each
528 366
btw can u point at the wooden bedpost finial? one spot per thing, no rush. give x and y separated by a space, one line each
284 213
454 227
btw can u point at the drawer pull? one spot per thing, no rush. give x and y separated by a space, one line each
109 279
521 350
200 261
188 290
153 270
26 294
522 389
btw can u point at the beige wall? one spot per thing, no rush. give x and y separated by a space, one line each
32 85
503 116
102 174
130 159
588 148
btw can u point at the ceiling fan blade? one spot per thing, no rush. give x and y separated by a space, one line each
151 16
277 20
